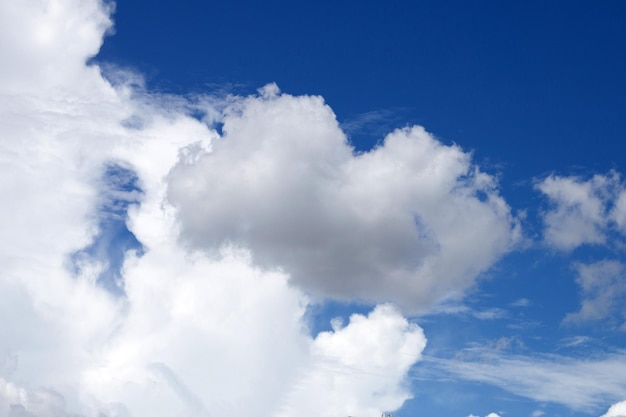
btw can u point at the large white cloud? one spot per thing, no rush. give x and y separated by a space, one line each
411 221
193 335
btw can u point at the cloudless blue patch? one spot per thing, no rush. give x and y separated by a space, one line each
119 190
219 128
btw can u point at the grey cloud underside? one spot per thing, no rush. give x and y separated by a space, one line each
411 221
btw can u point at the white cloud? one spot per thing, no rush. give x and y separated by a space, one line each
603 289
489 415
616 410
48 43
192 334
367 360
579 212
618 213
410 221
580 384
490 314
522 302
584 212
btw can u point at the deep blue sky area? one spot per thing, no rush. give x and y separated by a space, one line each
517 82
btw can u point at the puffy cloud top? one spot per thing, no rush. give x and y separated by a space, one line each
411 221
616 410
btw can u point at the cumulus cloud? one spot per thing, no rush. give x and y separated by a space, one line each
582 211
603 290
616 410
412 221
190 334
359 364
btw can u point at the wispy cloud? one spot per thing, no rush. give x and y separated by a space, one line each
521 302
375 123
580 384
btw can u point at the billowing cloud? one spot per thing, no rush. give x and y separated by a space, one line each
187 334
367 358
412 221
603 291
582 211
616 410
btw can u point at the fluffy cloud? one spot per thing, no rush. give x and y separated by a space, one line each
374 351
410 221
603 290
616 410
191 333
589 212
582 212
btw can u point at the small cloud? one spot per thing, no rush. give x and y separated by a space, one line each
375 122
507 343
603 289
522 302
582 212
523 325
575 341
490 314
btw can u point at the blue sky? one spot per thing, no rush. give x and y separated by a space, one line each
192 209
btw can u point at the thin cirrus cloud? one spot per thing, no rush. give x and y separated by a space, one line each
579 384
